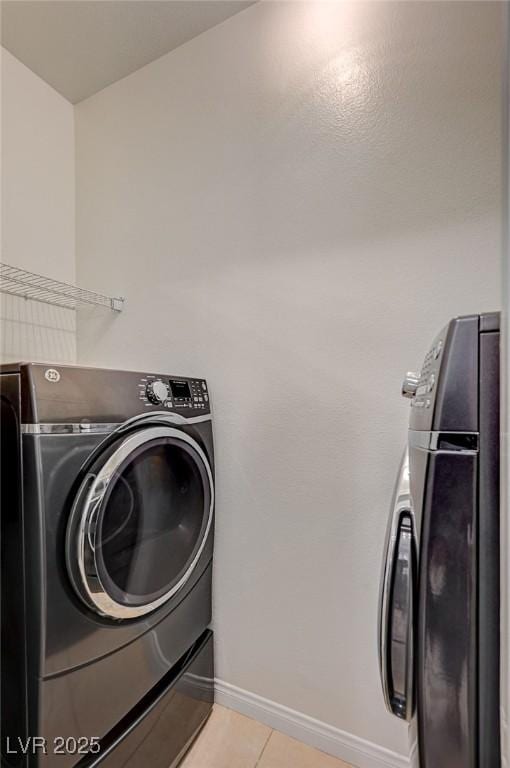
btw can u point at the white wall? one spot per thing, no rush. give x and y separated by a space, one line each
38 196
294 203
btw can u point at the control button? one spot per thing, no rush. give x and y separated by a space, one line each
431 382
410 384
206 398
157 391
427 403
204 387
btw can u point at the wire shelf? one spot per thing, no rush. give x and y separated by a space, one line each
19 282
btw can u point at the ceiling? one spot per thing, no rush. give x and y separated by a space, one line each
81 46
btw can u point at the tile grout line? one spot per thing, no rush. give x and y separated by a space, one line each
259 758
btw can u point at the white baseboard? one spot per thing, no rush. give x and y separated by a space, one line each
358 752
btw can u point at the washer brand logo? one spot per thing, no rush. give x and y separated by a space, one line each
52 375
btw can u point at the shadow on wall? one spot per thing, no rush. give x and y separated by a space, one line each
34 331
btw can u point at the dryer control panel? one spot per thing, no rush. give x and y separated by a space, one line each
72 394
173 392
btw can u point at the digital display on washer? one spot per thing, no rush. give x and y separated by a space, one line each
180 389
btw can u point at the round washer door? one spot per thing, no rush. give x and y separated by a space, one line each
140 523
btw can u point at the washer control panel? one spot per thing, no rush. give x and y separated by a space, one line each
421 387
175 393
426 384
446 394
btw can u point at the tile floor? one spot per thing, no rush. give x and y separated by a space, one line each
231 740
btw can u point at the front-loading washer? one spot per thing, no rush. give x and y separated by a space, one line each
107 540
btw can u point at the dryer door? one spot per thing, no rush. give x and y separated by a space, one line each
140 523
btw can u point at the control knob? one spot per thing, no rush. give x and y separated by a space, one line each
157 391
410 384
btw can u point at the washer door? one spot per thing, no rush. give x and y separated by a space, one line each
140 522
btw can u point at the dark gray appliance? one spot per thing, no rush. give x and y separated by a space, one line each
439 607
107 519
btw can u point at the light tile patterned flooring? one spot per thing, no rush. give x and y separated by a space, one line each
231 740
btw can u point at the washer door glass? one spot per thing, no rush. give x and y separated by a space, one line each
144 522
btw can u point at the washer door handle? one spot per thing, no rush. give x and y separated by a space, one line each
396 656
400 658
